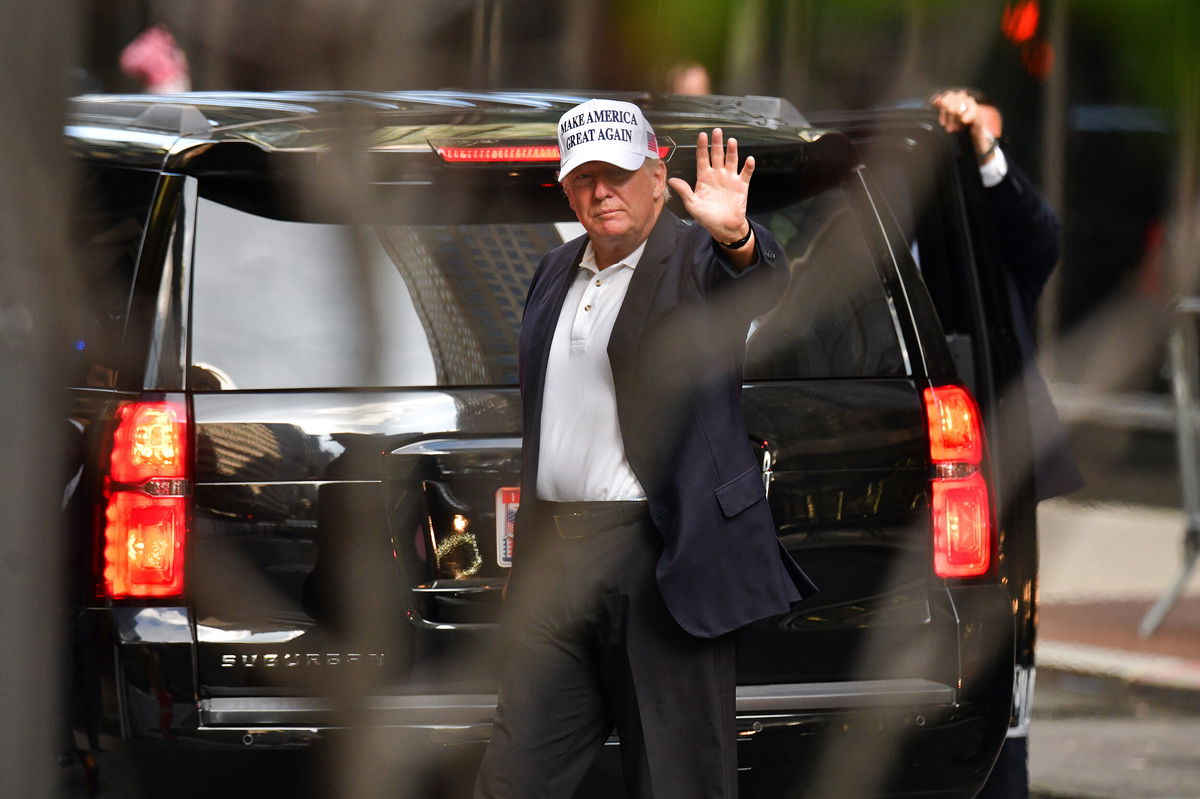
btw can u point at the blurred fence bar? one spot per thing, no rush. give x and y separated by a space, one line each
1185 379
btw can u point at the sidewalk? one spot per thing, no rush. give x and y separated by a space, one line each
1102 567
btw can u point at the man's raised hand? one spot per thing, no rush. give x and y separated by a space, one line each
718 203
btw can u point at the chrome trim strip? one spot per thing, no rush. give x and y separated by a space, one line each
449 446
453 710
418 711
464 589
212 632
842 695
189 200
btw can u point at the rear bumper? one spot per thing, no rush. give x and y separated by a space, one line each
899 737
903 737
893 737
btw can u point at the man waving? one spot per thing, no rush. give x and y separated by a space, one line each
644 535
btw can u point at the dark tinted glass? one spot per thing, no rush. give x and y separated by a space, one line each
835 318
283 304
107 224
287 304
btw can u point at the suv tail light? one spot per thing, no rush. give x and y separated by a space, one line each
962 515
146 494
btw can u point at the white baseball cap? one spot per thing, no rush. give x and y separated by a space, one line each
604 130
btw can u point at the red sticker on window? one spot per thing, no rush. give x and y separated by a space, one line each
507 501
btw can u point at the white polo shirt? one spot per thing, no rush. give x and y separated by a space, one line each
582 456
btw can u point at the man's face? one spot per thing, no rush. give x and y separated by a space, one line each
616 207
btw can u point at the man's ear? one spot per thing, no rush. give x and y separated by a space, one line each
660 179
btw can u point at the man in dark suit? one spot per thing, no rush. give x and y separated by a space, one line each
643 538
1028 236
1027 233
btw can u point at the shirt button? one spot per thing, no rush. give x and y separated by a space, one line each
597 282
587 307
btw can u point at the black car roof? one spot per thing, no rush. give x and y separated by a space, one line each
219 115
234 135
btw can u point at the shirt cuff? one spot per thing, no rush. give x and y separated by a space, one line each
994 170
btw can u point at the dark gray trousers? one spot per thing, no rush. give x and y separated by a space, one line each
591 645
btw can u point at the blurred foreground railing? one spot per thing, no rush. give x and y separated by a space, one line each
1184 348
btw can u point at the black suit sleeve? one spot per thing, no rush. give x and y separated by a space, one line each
1028 232
754 290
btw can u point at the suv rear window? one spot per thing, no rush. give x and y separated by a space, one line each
279 303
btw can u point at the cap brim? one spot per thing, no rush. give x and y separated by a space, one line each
599 151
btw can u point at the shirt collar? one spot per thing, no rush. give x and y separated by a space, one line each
588 261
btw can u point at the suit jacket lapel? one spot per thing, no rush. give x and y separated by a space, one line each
631 319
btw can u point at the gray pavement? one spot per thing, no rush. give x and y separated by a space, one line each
1102 566
1116 714
1106 758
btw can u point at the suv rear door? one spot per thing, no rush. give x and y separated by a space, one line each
931 182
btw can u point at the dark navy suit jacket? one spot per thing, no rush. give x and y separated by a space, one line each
676 351
1027 231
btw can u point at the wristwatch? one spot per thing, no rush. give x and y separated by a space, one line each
737 245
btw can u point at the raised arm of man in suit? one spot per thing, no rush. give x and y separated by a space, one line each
718 203
1027 228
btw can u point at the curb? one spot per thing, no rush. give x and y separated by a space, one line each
1153 676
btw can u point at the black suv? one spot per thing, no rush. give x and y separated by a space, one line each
296 388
